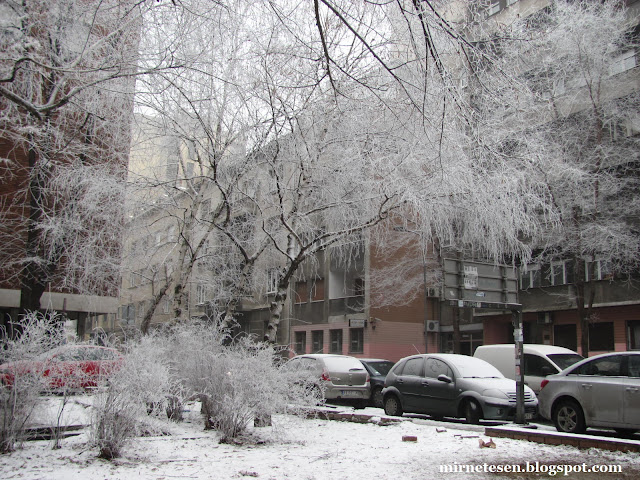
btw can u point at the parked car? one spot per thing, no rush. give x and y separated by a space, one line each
341 378
539 361
66 367
601 391
451 385
378 369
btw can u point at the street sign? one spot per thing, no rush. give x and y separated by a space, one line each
470 284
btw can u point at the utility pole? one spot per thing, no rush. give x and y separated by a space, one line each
518 338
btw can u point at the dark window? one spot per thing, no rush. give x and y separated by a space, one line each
358 289
633 335
335 341
565 336
604 367
413 367
302 293
317 290
301 342
537 366
356 340
434 368
601 337
317 343
634 365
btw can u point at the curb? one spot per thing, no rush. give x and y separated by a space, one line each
557 438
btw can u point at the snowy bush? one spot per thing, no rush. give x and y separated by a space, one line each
142 386
37 334
236 384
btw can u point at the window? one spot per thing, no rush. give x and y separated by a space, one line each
537 366
413 367
317 344
172 235
317 290
565 336
356 340
601 337
493 8
201 294
300 342
358 288
302 292
272 281
530 276
560 273
634 366
623 62
434 368
335 341
604 367
633 335
602 270
133 279
166 305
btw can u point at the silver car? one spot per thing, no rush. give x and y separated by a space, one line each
601 391
450 385
341 378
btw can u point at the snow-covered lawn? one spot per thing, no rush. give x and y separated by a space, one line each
302 449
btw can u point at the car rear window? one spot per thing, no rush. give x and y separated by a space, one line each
342 364
380 368
565 360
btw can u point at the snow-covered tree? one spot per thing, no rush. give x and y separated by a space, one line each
575 112
67 72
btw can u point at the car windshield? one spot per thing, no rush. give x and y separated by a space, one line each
565 360
470 367
380 368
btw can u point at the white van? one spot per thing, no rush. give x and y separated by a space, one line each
539 361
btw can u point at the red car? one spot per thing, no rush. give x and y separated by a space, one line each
65 367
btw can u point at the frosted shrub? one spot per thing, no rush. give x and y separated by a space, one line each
18 400
236 384
115 419
142 386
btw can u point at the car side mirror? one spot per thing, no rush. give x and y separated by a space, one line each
444 378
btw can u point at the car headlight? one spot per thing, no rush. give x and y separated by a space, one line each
494 393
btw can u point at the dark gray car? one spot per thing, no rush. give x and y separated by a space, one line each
449 385
601 391
378 369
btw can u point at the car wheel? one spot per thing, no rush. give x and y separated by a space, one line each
568 417
376 398
472 412
392 406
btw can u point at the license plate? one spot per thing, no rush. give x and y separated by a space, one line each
528 416
350 393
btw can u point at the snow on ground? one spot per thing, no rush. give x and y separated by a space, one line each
301 449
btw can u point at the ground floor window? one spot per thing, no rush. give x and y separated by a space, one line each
356 340
317 343
300 342
566 336
335 341
633 335
469 341
601 337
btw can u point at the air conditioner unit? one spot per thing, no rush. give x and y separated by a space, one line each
433 326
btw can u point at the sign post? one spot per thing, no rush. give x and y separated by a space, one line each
469 284
518 338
